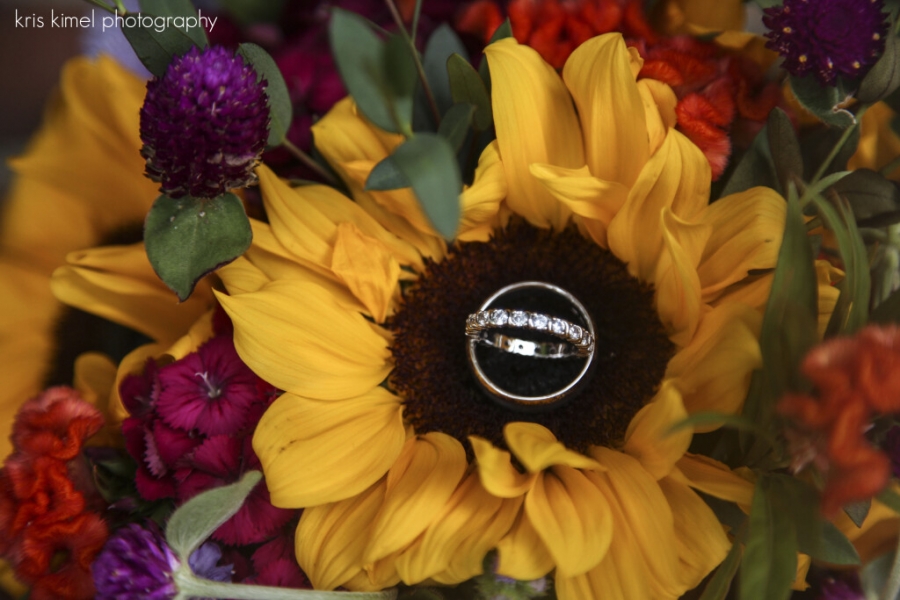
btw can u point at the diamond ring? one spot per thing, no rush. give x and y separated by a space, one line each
538 320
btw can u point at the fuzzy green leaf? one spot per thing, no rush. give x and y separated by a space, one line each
280 109
156 49
884 76
467 87
428 162
822 101
875 200
199 517
186 238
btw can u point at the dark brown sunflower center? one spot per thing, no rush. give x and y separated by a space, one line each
432 373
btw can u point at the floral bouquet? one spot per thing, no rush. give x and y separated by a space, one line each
490 299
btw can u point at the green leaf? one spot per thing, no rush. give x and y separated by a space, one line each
386 176
755 167
247 12
875 200
428 162
858 511
719 584
785 148
187 238
884 76
887 312
817 142
280 109
441 45
467 87
852 309
789 326
199 517
822 101
177 8
381 88
769 564
455 124
156 49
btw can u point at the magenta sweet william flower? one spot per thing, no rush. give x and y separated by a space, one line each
828 38
204 124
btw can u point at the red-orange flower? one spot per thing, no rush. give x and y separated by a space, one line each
856 380
49 537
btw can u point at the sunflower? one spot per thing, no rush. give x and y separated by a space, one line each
79 184
357 309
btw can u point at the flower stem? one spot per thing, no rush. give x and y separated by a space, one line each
837 147
429 95
189 585
307 160
892 586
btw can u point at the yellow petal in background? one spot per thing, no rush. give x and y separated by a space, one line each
646 512
368 269
521 553
702 543
716 479
313 452
331 538
453 547
297 338
746 235
713 371
648 437
571 517
480 202
676 177
419 484
536 123
594 200
538 448
600 79
498 475
677 284
659 108
118 283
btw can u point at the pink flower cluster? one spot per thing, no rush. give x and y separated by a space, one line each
190 430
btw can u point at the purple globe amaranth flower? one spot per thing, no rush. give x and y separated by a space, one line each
827 38
204 124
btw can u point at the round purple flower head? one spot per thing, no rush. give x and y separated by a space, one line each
827 38
204 124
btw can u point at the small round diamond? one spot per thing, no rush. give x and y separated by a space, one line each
539 321
518 318
558 327
481 318
575 333
499 317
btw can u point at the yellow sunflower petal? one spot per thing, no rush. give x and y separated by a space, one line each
329 544
645 510
589 197
368 269
538 448
419 484
702 543
536 123
648 436
313 452
571 517
677 283
659 107
480 202
242 277
599 75
716 479
118 283
713 371
453 547
746 235
498 475
95 376
676 177
322 351
521 553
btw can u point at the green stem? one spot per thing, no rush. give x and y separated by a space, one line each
189 585
415 22
429 95
837 147
892 585
307 160
890 167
